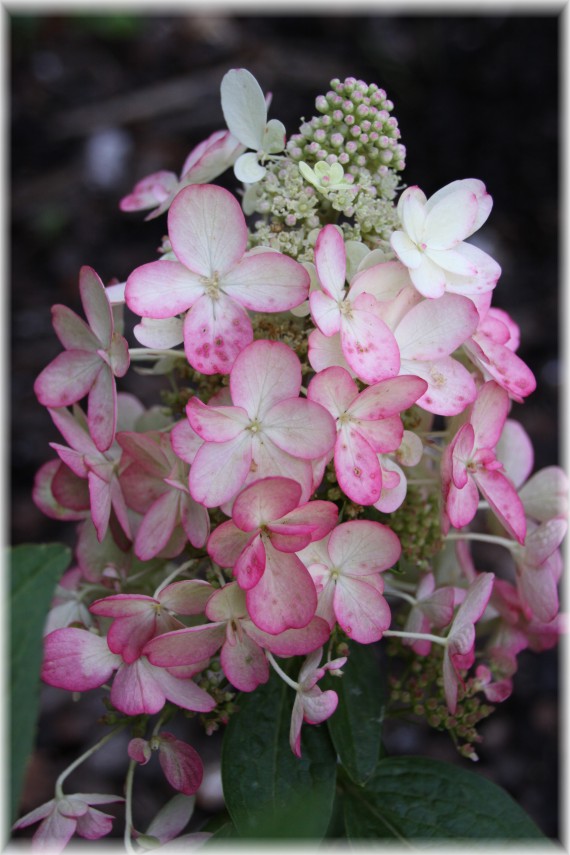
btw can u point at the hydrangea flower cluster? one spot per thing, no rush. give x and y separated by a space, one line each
340 434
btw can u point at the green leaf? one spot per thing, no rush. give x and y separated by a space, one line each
416 798
34 573
270 792
356 724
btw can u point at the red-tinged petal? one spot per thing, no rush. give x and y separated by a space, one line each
291 642
162 289
325 313
184 693
451 219
244 664
361 611
363 547
334 389
433 329
451 387
135 690
489 415
220 469
122 605
96 305
215 333
429 279
128 635
267 282
461 505
207 229
318 705
387 398
266 500
185 441
301 428
211 157
383 435
100 497
357 467
68 378
285 597
70 501
72 331
227 542
180 763
367 343
102 409
94 824
77 660
149 191
157 525
504 501
74 461
216 424
317 518
185 646
250 565
195 521
265 373
330 261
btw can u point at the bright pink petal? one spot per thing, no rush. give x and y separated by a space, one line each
227 542
361 611
180 763
267 282
383 435
266 500
265 373
461 505
72 503
357 467
250 565
367 343
244 663
330 261
157 526
504 501
215 332
489 415
285 597
503 365
291 642
135 690
207 229
77 660
185 646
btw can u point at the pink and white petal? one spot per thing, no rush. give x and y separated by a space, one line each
72 331
68 378
363 547
215 424
484 200
182 692
35 815
451 387
77 660
180 763
387 398
461 505
54 833
474 604
504 366
514 450
325 313
361 611
382 435
285 597
185 646
318 705
504 501
317 518
159 333
227 542
325 352
96 305
250 565
94 824
429 279
462 449
185 441
412 212
384 281
357 467
244 664
264 373
135 690
545 495
296 725
102 409
291 642
334 389
453 262
301 428
195 521
330 261
489 414
267 282
157 525
539 591
486 275
162 289
451 219
433 329
367 343
150 191
59 493
393 494
266 500
100 498
207 229
541 542
406 250
268 460
220 469
215 332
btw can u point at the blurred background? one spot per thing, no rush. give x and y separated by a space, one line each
99 101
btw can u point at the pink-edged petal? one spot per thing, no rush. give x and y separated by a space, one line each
244 663
363 547
285 597
487 271
318 705
544 539
451 219
406 250
361 611
387 398
475 186
291 642
367 343
334 389
159 333
207 229
135 690
462 448
428 278
393 491
316 518
72 331
54 833
96 305
215 332
382 435
100 498
74 501
195 521
504 501
250 565
452 262
188 597
545 495
357 467
102 409
77 660
180 763
325 352
504 366
227 542
216 424
267 282
94 824
384 281
433 329
296 725
325 313
264 373
183 692
35 815
185 441
461 505
330 261
157 525
185 646
489 415
412 213
68 378
451 387
301 428
474 604
149 191
516 453
269 460
538 589
162 289
220 469
266 500
211 157
146 451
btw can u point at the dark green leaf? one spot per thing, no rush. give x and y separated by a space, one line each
269 792
34 573
416 798
356 725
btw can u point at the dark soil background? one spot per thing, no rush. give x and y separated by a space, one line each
97 102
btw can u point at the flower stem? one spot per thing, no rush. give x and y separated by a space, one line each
419 636
66 772
129 808
138 354
281 673
483 538
394 592
177 572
